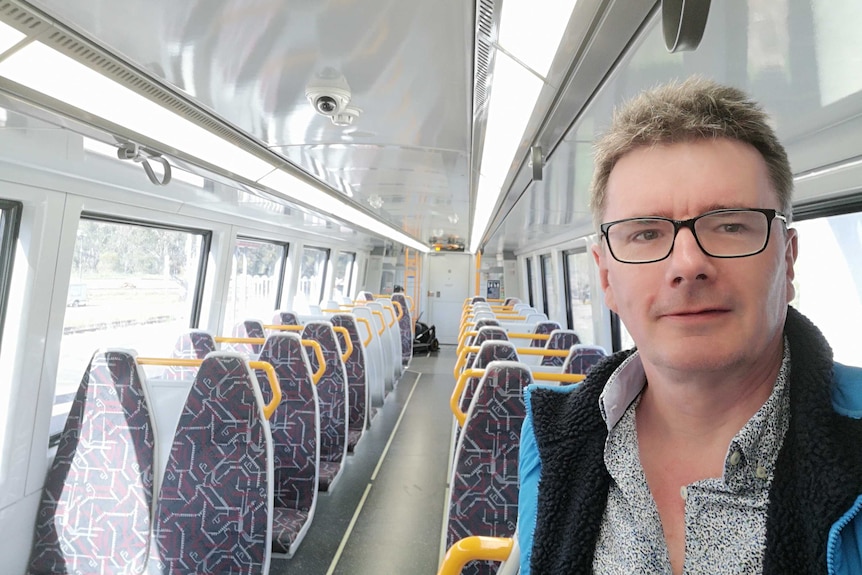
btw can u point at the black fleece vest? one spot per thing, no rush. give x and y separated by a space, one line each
818 473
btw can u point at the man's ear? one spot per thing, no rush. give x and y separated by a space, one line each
791 250
601 256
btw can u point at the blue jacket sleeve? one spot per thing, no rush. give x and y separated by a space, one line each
529 471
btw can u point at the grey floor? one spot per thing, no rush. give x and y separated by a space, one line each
397 528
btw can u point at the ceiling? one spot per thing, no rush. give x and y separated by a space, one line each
417 75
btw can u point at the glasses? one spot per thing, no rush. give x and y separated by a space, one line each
720 234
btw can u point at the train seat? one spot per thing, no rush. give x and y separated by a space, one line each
394 329
382 322
543 328
374 359
357 385
364 296
484 483
582 358
560 339
95 511
489 350
193 344
247 328
511 301
477 299
334 403
295 428
485 333
406 324
213 513
285 318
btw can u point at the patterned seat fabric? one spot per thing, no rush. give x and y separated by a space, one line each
285 318
248 328
543 328
484 334
295 428
477 298
560 339
332 394
365 295
479 325
213 510
406 329
357 383
490 350
194 344
582 358
94 516
484 493
510 301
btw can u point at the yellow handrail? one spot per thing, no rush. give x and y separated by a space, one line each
382 321
368 328
281 327
475 548
400 310
392 313
455 398
467 349
321 361
226 339
268 409
343 331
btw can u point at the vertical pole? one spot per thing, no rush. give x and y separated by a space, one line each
478 266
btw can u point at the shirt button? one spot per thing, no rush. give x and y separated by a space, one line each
760 472
735 457
683 492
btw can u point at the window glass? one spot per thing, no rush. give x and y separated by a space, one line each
578 289
549 292
10 214
132 286
312 278
255 280
343 285
829 281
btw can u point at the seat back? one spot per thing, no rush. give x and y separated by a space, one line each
285 318
295 428
484 334
374 358
365 295
560 339
510 301
193 344
334 403
357 383
215 502
582 358
406 324
94 516
247 328
543 328
477 298
484 483
386 347
394 328
490 350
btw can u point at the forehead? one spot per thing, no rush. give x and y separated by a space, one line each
685 179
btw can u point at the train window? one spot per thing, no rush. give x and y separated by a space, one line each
255 282
530 280
10 217
579 308
344 265
312 277
829 280
548 289
133 285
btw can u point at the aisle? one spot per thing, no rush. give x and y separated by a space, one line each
385 514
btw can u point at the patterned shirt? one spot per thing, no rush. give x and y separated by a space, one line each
725 517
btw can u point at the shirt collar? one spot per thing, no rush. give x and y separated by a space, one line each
623 387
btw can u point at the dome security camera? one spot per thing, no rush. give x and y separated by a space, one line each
328 101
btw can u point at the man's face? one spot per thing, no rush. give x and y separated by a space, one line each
692 312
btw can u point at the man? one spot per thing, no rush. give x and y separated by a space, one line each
728 441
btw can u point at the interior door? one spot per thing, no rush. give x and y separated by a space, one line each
448 286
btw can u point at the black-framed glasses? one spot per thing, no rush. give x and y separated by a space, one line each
731 233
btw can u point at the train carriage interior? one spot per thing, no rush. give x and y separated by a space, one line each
189 188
